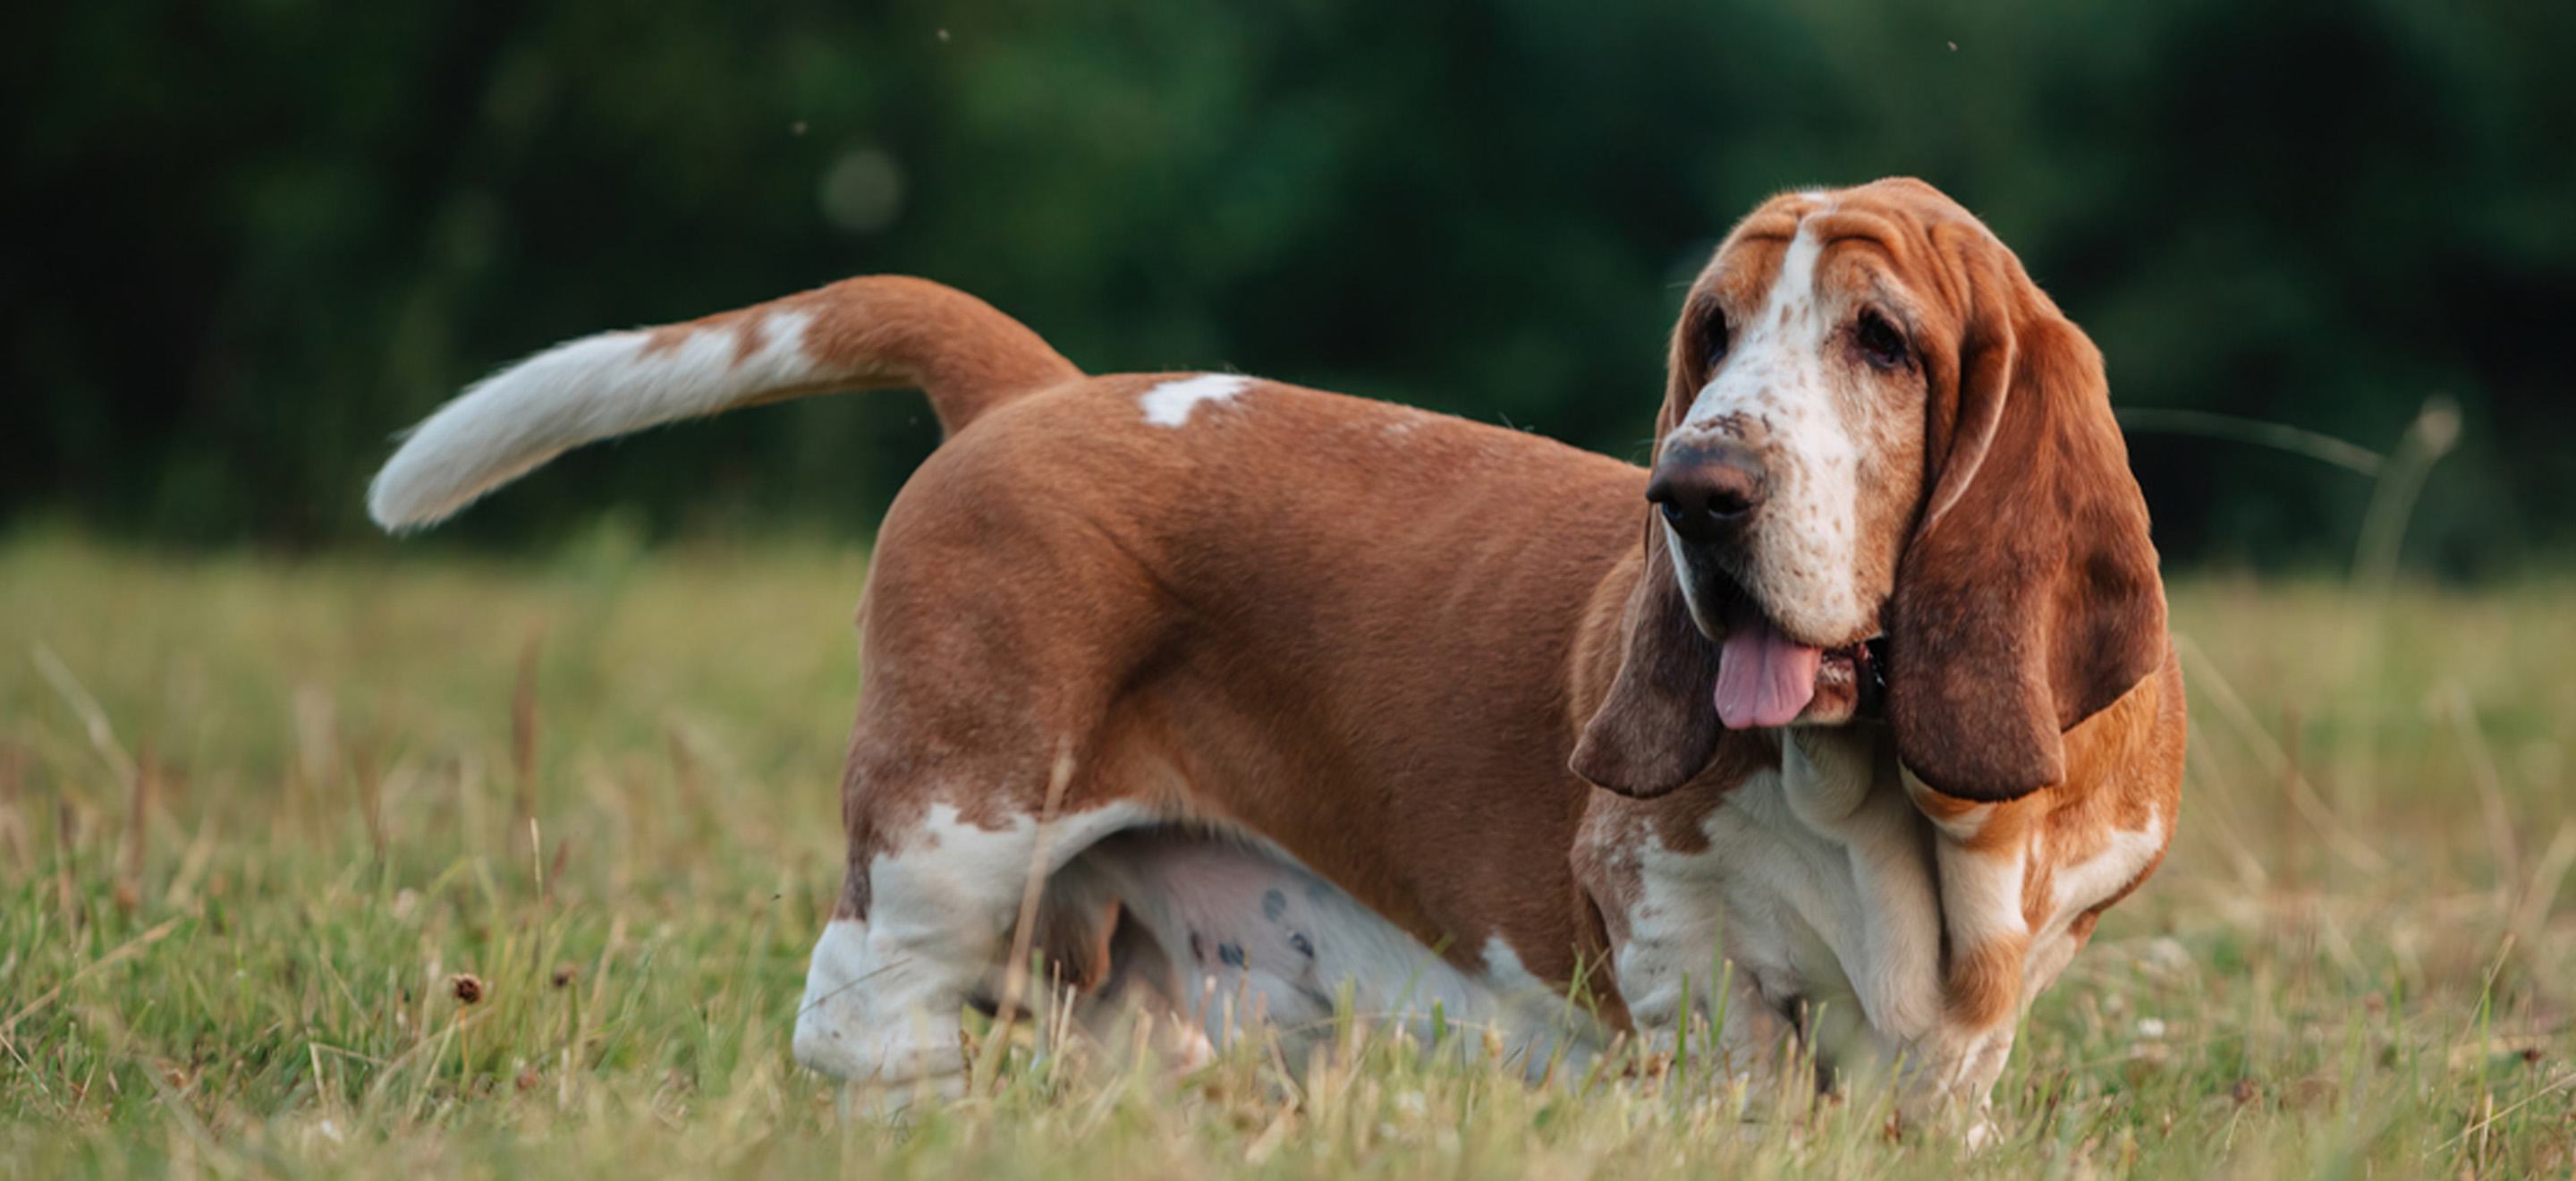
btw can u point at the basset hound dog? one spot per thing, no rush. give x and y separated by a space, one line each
1839 727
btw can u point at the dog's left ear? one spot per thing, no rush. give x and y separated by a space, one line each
2028 599
1657 728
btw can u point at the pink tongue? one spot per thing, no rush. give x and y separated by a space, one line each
1762 678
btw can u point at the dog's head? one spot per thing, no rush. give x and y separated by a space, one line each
1884 456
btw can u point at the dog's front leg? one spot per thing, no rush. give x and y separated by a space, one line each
1981 851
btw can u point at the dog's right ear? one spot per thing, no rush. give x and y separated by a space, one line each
1658 727
2029 598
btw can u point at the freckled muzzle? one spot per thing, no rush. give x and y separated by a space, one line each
1711 490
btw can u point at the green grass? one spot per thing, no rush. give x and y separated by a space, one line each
252 979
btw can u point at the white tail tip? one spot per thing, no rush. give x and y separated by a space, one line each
593 388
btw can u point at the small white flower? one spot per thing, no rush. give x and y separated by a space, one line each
2151 1027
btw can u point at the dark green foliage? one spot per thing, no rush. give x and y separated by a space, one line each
248 239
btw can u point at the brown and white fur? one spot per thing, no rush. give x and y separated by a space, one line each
1339 693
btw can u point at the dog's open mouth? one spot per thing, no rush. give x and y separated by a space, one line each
1765 679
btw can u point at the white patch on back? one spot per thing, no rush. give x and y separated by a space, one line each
1171 403
584 390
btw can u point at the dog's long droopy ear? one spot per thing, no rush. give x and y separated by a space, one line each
2028 599
1658 727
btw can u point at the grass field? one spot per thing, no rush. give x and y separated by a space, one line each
254 815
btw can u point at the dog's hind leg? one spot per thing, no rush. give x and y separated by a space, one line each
923 928
999 636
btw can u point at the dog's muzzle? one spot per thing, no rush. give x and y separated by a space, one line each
1708 490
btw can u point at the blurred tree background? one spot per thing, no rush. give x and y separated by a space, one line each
249 239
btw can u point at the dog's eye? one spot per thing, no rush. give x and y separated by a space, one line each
1713 339
1880 343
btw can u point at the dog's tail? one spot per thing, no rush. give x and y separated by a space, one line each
876 332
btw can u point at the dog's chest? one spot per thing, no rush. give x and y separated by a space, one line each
1816 881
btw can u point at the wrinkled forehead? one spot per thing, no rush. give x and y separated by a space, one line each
1876 241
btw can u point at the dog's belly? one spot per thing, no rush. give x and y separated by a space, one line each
1231 933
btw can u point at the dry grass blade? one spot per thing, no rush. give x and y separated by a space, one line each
13 819
138 832
523 740
93 717
2338 836
2487 1120
2280 436
2482 773
124 951
1015 975
2541 890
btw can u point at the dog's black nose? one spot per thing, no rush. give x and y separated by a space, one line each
1707 489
